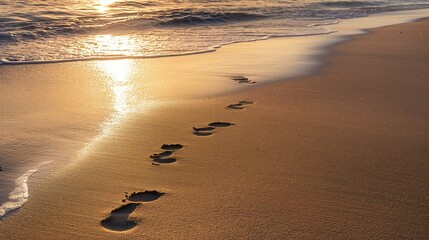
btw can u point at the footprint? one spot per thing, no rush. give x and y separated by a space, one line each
246 102
204 131
146 196
242 79
118 218
202 134
220 124
171 147
236 106
161 160
161 155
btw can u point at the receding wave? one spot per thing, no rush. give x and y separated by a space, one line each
27 31
351 3
19 196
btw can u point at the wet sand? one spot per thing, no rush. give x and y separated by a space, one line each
343 154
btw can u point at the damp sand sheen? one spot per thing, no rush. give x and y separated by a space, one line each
218 147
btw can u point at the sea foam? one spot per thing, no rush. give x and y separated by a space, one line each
19 196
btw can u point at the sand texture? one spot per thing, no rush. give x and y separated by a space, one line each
343 154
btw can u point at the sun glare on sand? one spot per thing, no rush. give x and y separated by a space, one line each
118 72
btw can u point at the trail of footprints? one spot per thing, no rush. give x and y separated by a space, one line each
211 127
118 219
238 106
165 156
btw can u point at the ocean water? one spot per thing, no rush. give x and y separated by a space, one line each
40 30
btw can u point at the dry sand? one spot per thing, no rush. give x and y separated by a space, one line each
344 154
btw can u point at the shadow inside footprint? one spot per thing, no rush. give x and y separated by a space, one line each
160 155
118 218
220 124
164 160
171 147
146 196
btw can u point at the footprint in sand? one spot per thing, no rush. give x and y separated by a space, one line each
220 124
160 155
242 79
203 131
118 220
211 127
171 147
161 160
146 196
164 157
238 106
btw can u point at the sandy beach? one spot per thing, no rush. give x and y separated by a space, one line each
343 153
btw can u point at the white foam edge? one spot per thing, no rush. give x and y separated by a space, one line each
208 50
19 196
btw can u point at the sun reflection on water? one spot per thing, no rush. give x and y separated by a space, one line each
103 5
114 45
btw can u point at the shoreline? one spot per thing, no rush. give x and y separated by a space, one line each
217 47
209 100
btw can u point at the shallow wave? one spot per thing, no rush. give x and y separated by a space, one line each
119 23
19 196
347 4
134 4
20 60
192 18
